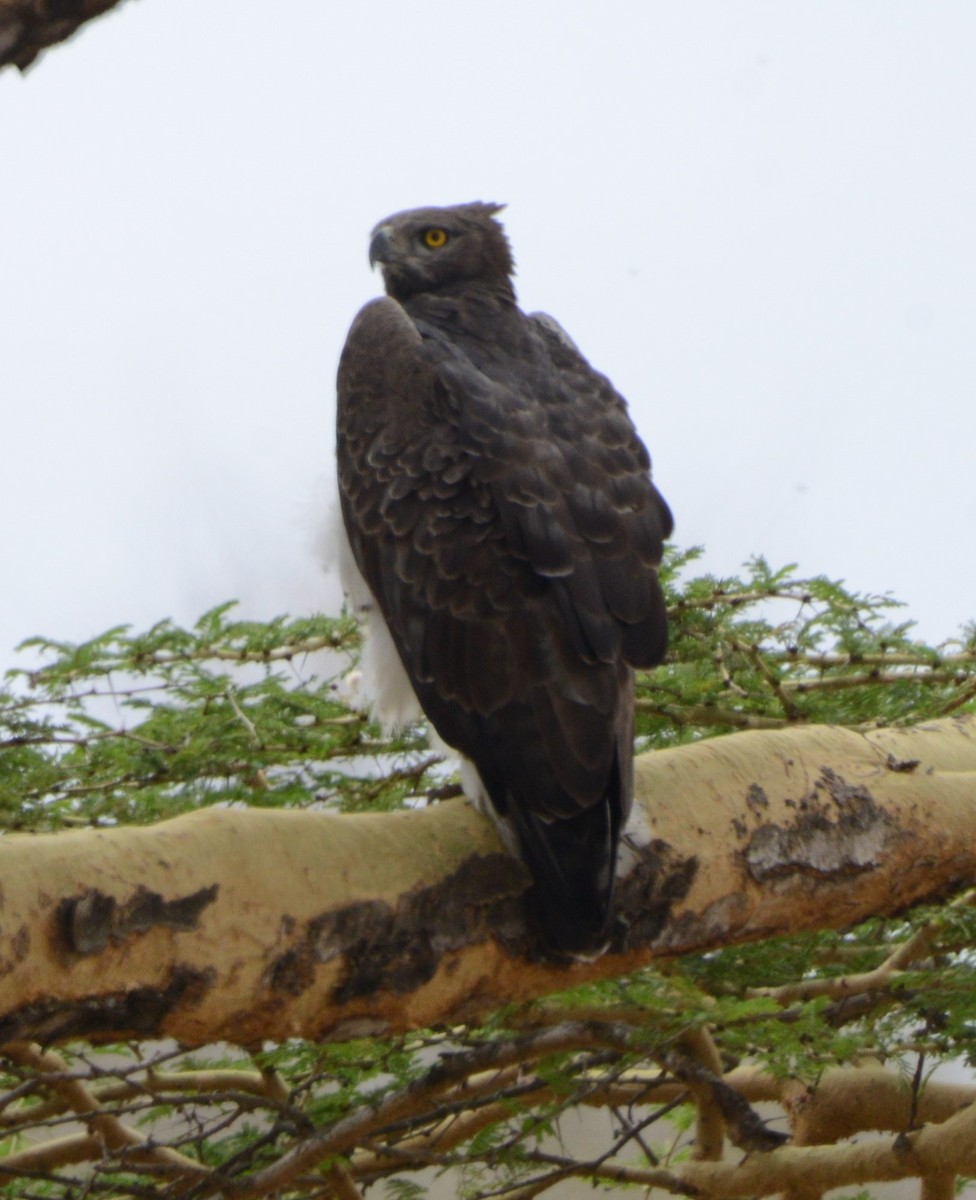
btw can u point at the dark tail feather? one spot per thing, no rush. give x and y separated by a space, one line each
572 862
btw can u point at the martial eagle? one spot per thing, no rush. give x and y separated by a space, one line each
504 535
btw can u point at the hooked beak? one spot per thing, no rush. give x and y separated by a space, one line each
381 247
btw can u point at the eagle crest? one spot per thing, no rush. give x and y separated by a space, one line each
504 535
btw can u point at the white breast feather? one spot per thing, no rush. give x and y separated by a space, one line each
383 686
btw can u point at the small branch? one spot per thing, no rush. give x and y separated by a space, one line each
718 658
144 662
745 1127
957 702
52 1153
709 1124
106 1130
779 688
719 599
343 1185
245 720
890 658
344 1135
835 683
83 741
531 1189
710 714
653 1177
843 987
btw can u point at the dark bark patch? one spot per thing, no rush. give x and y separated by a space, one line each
756 799
398 948
19 948
89 923
839 831
137 1012
692 931
647 894
291 972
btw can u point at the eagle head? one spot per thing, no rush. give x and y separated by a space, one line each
427 249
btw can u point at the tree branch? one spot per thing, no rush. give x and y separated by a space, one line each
107 1131
949 1148
240 925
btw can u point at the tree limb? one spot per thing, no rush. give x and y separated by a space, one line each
240 925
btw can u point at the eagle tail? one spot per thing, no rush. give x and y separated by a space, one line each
572 863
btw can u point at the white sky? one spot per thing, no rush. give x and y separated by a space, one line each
757 218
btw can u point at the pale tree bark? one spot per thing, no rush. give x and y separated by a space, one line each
244 925
27 27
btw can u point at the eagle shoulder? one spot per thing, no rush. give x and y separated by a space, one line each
549 325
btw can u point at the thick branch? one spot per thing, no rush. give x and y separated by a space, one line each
949 1148
243 925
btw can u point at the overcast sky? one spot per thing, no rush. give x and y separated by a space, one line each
757 218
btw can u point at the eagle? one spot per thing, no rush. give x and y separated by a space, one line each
503 543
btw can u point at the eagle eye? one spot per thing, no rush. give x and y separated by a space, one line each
434 238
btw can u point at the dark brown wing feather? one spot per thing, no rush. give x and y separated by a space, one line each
499 506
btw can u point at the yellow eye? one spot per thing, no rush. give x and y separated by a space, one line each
435 238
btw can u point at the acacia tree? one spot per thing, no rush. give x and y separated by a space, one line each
264 997
259 950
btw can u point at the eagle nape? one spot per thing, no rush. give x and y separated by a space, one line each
504 536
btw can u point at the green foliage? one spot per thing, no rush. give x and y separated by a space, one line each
772 649
403 1189
136 727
